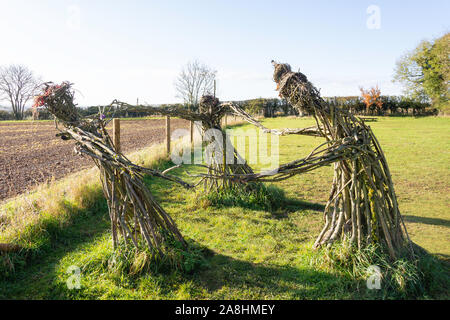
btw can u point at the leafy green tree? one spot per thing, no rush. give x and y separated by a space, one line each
425 73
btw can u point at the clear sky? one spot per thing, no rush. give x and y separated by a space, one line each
129 49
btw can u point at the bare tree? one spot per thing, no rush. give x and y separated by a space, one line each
195 80
18 85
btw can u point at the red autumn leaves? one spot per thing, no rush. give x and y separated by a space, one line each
39 101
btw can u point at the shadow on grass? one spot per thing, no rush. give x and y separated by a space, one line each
236 125
426 220
258 281
223 277
297 204
291 205
444 258
34 268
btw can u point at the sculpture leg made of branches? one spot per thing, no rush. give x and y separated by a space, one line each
222 156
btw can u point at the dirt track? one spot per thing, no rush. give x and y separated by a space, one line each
30 153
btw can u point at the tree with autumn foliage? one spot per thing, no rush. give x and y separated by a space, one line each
372 100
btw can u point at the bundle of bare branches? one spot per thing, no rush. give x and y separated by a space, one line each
238 111
135 214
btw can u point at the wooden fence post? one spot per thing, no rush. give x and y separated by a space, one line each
116 134
168 134
191 128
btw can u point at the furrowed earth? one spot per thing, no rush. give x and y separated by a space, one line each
31 154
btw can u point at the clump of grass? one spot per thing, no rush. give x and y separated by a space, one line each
435 274
400 279
41 236
256 196
134 262
30 216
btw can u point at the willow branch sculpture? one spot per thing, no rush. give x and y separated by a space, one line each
135 214
363 205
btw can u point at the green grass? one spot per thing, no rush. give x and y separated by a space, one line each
249 251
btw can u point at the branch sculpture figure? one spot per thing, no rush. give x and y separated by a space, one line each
135 214
221 161
362 206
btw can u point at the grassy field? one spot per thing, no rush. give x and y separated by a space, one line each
250 253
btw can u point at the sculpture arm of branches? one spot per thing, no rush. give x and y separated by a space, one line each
165 111
90 144
238 111
325 154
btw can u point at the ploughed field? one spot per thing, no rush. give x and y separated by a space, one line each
31 154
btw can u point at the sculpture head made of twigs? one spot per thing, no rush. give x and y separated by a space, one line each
211 107
296 87
58 100
208 104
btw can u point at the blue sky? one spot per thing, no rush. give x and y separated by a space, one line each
128 49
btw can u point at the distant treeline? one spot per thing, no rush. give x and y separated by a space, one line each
391 105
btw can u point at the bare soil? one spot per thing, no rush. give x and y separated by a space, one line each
31 154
